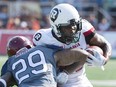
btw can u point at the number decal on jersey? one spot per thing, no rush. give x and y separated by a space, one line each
21 70
37 36
42 63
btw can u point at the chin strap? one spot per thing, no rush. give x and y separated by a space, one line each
76 39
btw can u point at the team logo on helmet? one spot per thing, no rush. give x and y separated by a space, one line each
54 14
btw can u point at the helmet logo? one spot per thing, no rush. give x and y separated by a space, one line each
54 14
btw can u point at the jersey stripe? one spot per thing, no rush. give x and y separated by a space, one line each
89 31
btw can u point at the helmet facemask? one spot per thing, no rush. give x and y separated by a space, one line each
69 31
66 23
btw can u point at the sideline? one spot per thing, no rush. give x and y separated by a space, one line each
104 82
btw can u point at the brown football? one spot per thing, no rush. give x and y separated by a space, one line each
96 48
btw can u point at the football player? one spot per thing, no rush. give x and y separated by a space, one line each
37 66
69 30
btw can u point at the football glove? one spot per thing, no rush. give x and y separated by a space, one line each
62 78
97 59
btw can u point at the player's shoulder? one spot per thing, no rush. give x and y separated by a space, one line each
6 65
42 33
47 46
85 21
86 25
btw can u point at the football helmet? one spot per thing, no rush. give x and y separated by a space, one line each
64 17
16 43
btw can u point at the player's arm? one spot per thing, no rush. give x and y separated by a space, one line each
71 59
70 56
74 67
92 38
6 76
5 79
100 41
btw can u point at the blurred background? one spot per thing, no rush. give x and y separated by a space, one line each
33 14
25 17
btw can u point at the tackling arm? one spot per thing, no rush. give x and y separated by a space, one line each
5 79
6 76
74 67
74 57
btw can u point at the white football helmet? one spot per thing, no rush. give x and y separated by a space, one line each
64 15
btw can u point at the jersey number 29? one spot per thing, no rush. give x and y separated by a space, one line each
31 64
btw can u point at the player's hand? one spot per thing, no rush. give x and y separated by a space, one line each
62 78
97 59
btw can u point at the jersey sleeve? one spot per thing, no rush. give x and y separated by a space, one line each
88 30
6 67
39 37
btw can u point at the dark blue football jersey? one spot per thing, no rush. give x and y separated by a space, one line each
35 67
4 68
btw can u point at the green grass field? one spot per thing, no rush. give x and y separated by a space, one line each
105 78
95 74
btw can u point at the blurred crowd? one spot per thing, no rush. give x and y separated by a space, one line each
23 16
27 19
27 22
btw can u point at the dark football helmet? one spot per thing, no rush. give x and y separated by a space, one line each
16 43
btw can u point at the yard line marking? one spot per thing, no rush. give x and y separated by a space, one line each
104 82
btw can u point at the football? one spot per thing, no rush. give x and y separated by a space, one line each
98 49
